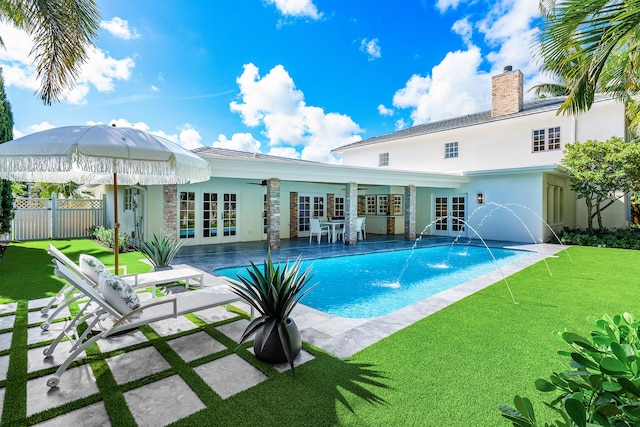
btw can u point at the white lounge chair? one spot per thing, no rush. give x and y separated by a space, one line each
316 229
90 268
104 306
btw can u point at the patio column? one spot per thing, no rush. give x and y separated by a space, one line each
351 214
273 214
410 212
170 211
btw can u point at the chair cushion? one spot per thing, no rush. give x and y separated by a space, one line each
92 267
118 293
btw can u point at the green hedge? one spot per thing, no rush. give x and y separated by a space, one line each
605 238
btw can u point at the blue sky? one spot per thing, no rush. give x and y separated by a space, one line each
294 78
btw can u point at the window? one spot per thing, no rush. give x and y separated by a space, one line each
383 159
209 214
383 205
128 199
538 140
187 215
451 150
546 139
397 205
338 207
554 138
371 205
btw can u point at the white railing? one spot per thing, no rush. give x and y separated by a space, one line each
54 218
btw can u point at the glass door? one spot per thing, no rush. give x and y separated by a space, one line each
309 206
449 214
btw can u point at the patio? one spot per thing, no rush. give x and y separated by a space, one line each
160 365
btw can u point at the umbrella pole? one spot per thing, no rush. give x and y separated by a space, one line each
116 226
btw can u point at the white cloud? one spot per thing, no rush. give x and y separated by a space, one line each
371 48
119 27
464 29
384 111
401 124
274 102
239 141
100 71
443 5
459 84
189 137
40 127
17 134
296 8
455 87
155 88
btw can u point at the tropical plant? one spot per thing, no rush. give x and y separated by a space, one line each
273 292
62 33
105 235
601 386
6 134
160 251
602 173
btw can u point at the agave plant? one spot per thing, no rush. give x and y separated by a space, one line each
273 293
160 251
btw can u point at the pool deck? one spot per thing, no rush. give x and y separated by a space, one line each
342 336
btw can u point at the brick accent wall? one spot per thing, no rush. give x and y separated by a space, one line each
273 214
170 211
506 93
362 206
293 214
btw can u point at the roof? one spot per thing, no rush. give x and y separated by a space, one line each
532 107
223 152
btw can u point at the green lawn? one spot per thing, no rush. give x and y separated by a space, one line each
451 369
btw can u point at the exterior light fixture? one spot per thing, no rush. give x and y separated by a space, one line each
480 198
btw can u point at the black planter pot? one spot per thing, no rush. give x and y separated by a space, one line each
272 351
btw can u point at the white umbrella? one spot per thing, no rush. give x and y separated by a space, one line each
100 154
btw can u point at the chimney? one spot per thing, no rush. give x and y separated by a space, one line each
506 92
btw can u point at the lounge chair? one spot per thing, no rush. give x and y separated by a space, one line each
90 269
101 306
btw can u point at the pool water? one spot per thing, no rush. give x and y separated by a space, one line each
369 285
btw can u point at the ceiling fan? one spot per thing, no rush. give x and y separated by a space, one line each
263 183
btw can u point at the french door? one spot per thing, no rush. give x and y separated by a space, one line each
450 214
207 216
309 206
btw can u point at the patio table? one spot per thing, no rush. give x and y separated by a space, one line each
333 225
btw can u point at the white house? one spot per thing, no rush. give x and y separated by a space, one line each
494 175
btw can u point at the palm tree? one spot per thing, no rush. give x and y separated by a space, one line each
62 31
592 46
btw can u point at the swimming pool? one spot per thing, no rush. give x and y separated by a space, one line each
369 285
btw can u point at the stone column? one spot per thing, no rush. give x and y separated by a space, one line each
170 211
410 212
273 214
293 215
351 214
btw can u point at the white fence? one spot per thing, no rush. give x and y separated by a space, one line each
54 218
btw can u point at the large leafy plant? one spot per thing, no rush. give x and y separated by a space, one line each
273 292
601 386
160 251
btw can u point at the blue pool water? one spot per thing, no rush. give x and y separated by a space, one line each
369 285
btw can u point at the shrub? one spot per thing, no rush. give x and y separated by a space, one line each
619 238
160 251
602 386
105 236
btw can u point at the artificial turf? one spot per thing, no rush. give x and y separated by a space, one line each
453 368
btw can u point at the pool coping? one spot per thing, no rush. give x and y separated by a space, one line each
344 337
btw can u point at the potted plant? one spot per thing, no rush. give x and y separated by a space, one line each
160 251
273 293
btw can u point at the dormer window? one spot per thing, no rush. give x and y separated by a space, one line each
451 150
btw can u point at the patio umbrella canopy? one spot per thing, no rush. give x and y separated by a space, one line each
100 154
